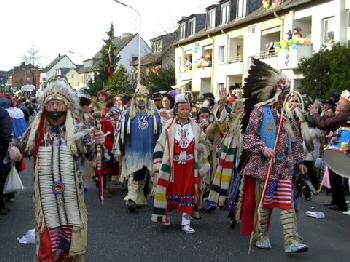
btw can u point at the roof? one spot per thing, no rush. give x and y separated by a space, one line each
211 7
256 15
120 42
54 62
93 68
153 58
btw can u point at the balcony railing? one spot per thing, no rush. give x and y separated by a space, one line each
235 59
266 54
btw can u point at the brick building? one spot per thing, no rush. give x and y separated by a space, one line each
25 75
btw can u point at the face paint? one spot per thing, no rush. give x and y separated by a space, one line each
55 105
55 109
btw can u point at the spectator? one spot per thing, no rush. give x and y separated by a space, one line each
341 118
5 166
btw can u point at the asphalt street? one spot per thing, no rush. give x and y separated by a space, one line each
116 235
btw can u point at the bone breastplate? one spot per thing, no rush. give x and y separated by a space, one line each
58 186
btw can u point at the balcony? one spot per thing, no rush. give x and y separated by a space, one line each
233 67
269 57
203 72
186 74
235 59
289 59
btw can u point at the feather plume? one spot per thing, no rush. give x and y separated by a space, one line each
260 86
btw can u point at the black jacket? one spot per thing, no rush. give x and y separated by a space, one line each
5 134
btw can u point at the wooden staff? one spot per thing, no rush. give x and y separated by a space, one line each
98 117
269 171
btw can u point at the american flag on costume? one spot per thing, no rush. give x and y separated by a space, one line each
60 237
278 194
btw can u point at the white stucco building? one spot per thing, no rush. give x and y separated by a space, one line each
220 54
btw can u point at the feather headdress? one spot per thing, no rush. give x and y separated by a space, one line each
263 85
57 89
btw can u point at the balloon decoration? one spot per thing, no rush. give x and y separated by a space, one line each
291 43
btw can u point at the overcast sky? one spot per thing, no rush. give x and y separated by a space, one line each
59 26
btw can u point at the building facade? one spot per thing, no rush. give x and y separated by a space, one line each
25 75
280 34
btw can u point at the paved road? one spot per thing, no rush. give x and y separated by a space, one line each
115 235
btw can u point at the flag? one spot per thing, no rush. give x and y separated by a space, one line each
109 63
279 194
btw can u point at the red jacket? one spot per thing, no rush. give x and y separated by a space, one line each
108 126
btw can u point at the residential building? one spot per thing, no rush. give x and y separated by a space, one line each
162 55
72 75
127 51
221 53
60 62
25 75
87 71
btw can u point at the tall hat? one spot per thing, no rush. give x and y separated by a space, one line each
141 90
263 84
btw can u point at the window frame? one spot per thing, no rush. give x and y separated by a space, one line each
212 18
192 26
226 16
241 10
325 37
183 30
221 54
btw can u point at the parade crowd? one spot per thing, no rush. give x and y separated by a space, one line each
249 151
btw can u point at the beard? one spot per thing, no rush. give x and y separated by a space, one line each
55 115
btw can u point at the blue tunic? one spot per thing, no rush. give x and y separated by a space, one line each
140 142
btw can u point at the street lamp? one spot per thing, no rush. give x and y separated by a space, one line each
139 41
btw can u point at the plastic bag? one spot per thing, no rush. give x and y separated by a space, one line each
28 238
315 214
13 182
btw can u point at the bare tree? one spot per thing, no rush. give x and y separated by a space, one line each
32 56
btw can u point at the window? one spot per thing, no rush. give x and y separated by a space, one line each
328 30
157 46
221 54
182 30
211 22
225 13
192 26
240 8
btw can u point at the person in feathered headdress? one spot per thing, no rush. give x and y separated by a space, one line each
140 128
55 142
272 154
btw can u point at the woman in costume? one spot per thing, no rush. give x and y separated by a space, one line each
55 142
272 153
176 156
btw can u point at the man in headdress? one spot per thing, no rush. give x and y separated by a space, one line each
139 132
55 142
269 165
